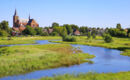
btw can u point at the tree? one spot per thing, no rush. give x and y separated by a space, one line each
55 34
89 35
4 26
39 31
68 28
29 31
118 26
107 38
3 33
55 25
60 30
94 35
74 27
83 30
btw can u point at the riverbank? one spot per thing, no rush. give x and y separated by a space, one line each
92 76
26 40
122 44
28 58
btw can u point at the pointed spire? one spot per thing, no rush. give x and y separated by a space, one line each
15 14
29 17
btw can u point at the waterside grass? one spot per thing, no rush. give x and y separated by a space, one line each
122 44
22 59
91 76
26 40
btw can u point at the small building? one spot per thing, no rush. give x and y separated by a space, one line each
76 32
50 30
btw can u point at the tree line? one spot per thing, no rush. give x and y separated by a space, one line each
66 29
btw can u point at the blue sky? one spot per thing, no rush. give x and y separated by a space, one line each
91 13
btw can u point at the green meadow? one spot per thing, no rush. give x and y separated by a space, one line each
25 40
122 44
22 59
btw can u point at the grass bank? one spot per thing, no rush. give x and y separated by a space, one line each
92 76
22 59
118 43
26 40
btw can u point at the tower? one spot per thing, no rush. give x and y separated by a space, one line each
29 17
15 19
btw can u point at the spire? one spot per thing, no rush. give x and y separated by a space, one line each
15 14
29 17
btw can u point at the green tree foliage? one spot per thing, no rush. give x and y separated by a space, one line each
4 26
3 33
89 35
44 34
117 32
69 38
60 30
94 35
54 34
68 28
29 31
84 30
39 30
74 27
55 25
118 26
107 38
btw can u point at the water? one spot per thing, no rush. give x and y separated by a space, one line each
106 60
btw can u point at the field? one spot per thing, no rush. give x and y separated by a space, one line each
22 59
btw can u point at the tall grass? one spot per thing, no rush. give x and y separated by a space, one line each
22 59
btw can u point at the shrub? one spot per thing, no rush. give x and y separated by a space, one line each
89 35
107 38
69 38
3 33
94 36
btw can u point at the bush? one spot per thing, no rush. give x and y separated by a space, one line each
55 34
69 38
94 36
3 33
89 35
107 38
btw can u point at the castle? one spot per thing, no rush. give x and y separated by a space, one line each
20 24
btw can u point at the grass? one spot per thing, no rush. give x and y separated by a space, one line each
92 76
22 59
25 40
118 43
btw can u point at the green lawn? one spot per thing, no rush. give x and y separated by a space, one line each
22 59
92 76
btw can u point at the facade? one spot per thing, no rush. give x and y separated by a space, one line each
20 24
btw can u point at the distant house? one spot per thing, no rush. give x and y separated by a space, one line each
50 30
76 32
45 30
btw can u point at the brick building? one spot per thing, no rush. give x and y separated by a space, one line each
20 24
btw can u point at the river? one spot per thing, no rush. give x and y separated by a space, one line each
106 60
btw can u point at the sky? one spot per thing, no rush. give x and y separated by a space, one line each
91 13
